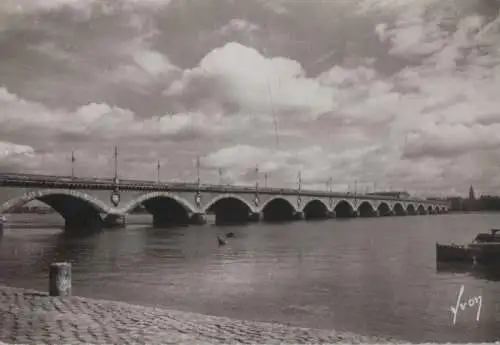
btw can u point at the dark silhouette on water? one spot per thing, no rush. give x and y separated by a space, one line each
221 240
230 234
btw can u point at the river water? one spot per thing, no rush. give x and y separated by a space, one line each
373 276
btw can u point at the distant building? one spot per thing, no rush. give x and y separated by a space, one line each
457 204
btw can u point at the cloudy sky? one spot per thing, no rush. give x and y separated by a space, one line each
401 94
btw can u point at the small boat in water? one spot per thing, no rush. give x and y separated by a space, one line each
485 249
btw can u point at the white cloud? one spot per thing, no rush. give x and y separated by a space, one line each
8 150
26 6
110 122
243 76
142 65
23 6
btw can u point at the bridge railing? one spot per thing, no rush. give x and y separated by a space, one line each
62 181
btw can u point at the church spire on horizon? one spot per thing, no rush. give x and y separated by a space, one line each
472 195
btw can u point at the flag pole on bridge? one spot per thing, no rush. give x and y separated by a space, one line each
266 174
300 181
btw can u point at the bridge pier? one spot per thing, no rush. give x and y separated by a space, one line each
330 215
366 214
255 217
231 218
198 219
299 215
167 220
115 221
2 225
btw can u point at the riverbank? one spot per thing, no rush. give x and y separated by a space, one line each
28 317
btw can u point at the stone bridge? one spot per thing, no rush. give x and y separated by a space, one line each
93 204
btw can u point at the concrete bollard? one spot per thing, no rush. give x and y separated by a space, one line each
60 279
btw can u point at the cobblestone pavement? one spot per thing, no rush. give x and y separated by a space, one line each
29 317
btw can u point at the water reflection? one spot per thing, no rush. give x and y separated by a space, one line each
485 272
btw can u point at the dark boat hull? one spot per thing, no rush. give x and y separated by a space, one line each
452 253
485 253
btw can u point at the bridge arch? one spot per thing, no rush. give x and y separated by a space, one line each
410 209
366 209
167 209
384 209
421 209
344 209
315 209
437 209
398 209
430 210
80 211
278 209
229 209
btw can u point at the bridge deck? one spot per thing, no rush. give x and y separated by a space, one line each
68 182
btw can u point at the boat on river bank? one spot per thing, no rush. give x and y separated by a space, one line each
453 253
484 249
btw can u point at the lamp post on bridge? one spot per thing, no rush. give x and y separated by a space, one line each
158 166
299 177
329 189
256 199
197 198
116 165
299 198
355 196
115 194
198 180
329 184
73 164
266 174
